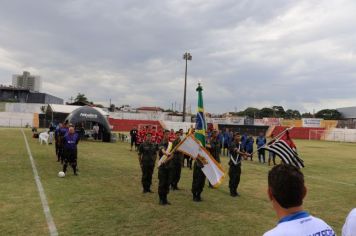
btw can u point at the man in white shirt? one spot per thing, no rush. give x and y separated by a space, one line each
96 131
286 191
349 228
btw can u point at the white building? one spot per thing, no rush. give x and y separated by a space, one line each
27 81
348 117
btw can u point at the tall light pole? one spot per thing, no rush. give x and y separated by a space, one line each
186 57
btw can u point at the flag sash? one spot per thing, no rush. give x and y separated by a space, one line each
164 157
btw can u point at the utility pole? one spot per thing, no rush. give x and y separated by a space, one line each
186 57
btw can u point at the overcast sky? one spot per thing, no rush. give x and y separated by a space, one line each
298 54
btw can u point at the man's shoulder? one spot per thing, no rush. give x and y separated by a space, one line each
307 226
271 232
349 227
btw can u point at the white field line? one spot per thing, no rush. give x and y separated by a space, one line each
51 226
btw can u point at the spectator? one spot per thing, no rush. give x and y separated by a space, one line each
227 141
260 142
243 141
286 191
249 146
96 131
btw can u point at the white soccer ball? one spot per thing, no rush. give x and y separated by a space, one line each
61 174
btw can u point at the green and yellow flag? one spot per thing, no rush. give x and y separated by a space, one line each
200 125
195 146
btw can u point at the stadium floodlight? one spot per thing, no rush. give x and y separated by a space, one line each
186 57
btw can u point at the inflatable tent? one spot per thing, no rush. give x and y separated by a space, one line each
90 114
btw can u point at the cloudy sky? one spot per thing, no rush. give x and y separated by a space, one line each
300 54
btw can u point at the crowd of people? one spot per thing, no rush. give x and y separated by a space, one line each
149 143
286 187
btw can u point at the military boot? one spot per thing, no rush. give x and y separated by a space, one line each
161 201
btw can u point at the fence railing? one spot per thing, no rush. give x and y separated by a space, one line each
15 122
347 135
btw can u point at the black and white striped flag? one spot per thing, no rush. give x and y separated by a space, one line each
286 150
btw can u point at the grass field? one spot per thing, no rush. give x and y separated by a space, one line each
106 198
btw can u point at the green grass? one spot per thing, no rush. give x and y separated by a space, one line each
106 198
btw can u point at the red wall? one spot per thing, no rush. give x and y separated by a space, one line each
127 125
297 132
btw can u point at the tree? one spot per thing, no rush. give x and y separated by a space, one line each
292 114
278 111
97 105
307 115
267 112
81 98
251 112
328 114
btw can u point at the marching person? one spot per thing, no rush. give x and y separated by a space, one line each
70 152
286 191
198 180
214 148
176 164
147 154
235 165
260 142
198 177
133 135
164 171
185 157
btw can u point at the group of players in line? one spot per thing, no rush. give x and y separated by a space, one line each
149 143
66 141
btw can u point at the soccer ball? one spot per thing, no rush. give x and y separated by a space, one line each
61 174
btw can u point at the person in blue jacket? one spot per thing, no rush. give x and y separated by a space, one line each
249 146
243 142
260 142
227 141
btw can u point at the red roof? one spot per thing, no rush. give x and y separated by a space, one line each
149 109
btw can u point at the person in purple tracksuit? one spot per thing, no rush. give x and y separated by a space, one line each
70 141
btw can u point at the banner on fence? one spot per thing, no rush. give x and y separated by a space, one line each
227 120
268 121
311 122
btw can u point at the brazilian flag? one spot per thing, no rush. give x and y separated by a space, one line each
200 126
